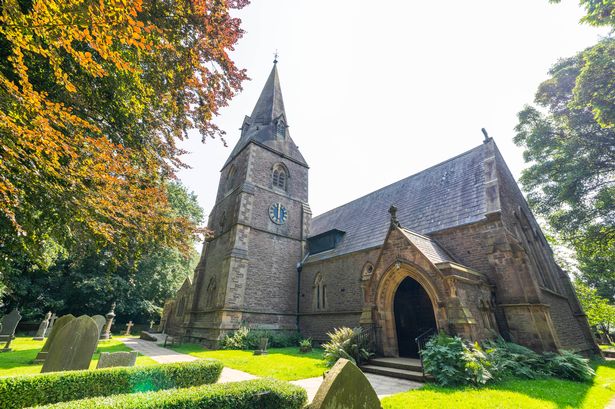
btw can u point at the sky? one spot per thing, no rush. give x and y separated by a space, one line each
376 91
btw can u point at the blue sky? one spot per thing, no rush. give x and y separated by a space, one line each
378 90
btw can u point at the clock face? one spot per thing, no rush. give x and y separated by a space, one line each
278 213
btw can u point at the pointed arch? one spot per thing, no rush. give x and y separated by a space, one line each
229 183
320 293
279 176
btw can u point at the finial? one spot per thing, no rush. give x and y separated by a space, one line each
487 138
393 212
275 57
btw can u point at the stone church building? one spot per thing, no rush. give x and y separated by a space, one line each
453 248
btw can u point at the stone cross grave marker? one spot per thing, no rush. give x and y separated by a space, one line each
73 346
100 323
59 324
8 324
110 360
110 316
345 387
52 321
42 328
151 324
128 327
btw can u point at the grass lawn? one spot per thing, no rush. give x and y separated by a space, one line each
286 364
19 360
530 394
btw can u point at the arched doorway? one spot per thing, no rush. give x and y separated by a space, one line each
414 315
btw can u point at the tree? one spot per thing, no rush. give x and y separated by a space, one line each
89 281
599 12
571 177
600 313
93 97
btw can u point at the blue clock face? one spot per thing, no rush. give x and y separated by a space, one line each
278 213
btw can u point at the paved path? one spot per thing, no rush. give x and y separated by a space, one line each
383 385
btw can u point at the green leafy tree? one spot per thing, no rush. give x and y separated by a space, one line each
571 177
600 313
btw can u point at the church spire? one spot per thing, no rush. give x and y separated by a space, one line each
270 105
268 126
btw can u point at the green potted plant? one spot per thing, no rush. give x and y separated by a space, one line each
305 345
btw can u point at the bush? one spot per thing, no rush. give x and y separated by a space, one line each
516 361
31 390
246 338
305 345
351 344
568 365
452 361
259 393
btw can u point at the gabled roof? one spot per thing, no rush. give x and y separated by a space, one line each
261 126
430 248
446 195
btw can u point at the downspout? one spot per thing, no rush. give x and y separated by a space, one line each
299 268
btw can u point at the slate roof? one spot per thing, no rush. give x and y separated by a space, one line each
446 195
260 127
430 248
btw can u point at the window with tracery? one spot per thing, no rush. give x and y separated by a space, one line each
320 293
280 130
279 177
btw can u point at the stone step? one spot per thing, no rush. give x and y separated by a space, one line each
608 353
394 372
399 363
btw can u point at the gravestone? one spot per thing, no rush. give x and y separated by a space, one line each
8 324
110 360
54 317
110 316
73 346
59 324
100 323
128 327
151 325
42 329
262 346
345 387
147 336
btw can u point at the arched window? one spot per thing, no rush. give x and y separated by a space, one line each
280 130
320 293
230 178
181 306
279 176
211 292
367 271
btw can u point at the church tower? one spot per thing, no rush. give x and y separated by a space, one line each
247 274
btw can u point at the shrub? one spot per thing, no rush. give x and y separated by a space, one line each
452 361
305 345
348 343
31 390
513 360
259 393
568 365
246 338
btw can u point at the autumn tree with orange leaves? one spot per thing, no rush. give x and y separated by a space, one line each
94 95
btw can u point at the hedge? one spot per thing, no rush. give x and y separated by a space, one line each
258 393
31 390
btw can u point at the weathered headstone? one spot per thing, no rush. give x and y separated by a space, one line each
42 329
151 324
8 324
54 317
345 387
59 324
73 347
110 316
110 360
262 346
128 327
100 323
147 336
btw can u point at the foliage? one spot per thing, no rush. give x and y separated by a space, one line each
599 12
547 393
286 364
259 393
43 389
568 365
25 349
246 338
600 313
571 177
88 281
511 360
93 98
348 343
452 361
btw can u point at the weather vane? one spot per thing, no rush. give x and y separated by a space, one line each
275 57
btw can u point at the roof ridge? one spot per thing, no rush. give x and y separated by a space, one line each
400 180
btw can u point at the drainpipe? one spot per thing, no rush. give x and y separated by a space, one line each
299 268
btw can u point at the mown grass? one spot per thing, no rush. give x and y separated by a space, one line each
527 394
25 349
286 364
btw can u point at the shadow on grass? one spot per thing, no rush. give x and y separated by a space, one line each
15 359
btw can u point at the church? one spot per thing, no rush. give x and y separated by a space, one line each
453 248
